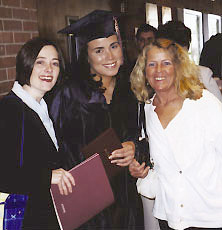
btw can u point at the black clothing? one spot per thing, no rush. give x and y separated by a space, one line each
39 157
80 114
211 55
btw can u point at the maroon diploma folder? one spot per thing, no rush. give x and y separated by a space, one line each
105 144
91 194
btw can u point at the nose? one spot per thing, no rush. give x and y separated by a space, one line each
109 54
159 68
48 68
146 42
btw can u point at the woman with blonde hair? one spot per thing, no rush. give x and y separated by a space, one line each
184 126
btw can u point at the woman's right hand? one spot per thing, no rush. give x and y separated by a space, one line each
138 170
64 180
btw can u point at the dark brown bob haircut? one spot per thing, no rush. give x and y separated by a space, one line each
26 58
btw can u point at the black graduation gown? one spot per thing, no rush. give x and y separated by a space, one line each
80 114
39 157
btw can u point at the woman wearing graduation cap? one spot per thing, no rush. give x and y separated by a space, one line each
98 97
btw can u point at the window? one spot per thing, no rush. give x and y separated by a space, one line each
166 14
193 20
214 24
152 14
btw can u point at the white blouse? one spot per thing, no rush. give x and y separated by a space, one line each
187 157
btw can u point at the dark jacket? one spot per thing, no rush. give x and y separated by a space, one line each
211 55
80 114
39 157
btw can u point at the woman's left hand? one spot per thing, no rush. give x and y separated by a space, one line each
138 170
124 156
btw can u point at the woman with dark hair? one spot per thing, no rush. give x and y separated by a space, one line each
30 161
96 98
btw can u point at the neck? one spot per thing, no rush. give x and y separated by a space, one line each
36 95
164 98
107 81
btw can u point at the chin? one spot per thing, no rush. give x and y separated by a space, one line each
47 89
111 73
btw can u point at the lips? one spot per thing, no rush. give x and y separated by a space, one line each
46 78
111 65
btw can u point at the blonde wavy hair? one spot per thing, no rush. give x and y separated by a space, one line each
187 82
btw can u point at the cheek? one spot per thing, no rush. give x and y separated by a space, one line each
56 76
34 74
117 53
149 74
94 60
119 56
57 70
120 53
141 45
172 73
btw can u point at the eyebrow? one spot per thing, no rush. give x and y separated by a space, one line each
97 48
102 47
45 58
114 43
161 61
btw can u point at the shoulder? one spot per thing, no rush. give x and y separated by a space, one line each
12 108
207 105
209 111
205 72
11 103
71 90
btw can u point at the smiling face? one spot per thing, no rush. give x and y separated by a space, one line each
160 70
45 72
105 56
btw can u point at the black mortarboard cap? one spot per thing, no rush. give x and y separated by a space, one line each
97 24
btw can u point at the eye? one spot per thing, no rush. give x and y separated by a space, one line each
39 62
167 63
114 46
56 64
150 64
141 40
98 51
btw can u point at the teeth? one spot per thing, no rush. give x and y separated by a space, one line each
46 77
159 78
110 65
